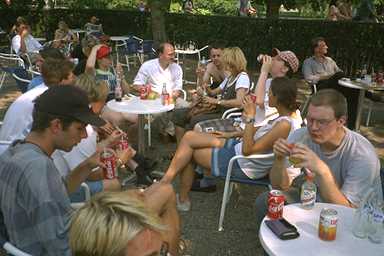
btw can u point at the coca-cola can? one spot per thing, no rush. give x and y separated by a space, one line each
260 58
123 144
253 97
275 204
109 160
143 92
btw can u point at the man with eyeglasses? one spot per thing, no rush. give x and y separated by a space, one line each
344 163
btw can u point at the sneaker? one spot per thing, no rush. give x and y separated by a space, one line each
183 207
204 185
129 181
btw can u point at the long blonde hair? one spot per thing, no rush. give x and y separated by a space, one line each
96 90
106 223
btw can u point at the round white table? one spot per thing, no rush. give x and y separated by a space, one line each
308 243
362 87
141 107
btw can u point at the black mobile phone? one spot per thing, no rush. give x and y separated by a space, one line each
282 229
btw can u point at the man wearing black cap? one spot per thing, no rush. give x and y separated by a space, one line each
34 204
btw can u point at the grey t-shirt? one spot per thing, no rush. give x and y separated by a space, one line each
313 69
34 205
354 164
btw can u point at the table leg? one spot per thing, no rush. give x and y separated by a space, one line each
141 138
359 109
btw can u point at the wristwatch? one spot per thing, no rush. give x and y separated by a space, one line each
248 120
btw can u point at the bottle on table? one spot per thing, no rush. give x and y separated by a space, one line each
364 71
118 91
362 216
165 95
308 192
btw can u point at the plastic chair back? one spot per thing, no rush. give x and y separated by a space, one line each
132 46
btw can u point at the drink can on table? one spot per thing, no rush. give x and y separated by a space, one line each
275 204
108 158
143 92
328 224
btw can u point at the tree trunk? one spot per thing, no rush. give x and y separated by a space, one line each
273 7
158 10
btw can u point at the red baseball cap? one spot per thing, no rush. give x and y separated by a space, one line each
103 52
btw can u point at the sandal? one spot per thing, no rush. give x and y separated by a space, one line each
184 245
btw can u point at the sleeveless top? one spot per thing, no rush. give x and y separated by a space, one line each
258 168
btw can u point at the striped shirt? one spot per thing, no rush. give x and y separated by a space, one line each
34 205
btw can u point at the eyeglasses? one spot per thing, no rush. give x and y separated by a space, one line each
322 123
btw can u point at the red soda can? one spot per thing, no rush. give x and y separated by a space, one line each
253 97
275 204
143 92
109 160
123 144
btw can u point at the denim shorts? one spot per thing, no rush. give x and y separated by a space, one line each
220 160
79 195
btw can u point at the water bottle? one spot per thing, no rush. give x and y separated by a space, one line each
308 193
364 71
376 229
118 89
362 216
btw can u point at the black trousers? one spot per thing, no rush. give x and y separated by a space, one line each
352 96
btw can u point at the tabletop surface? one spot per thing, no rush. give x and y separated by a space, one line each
360 84
187 51
137 106
119 38
308 243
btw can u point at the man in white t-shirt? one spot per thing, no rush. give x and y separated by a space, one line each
159 72
18 118
23 41
343 162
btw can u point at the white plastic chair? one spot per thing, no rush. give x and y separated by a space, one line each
12 60
12 250
229 182
87 193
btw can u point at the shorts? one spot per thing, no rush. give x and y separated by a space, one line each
223 125
79 195
220 160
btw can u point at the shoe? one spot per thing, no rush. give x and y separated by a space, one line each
198 187
129 181
183 207
144 180
157 175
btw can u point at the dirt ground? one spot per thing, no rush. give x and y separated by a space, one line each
199 225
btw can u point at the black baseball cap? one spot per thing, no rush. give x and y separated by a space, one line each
68 101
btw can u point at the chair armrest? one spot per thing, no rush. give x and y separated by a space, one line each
229 111
87 191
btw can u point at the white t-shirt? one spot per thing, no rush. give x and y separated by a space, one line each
241 82
67 161
151 72
31 44
258 168
18 119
